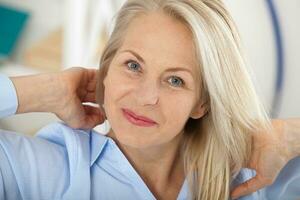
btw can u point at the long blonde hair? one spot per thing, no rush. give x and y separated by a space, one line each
217 145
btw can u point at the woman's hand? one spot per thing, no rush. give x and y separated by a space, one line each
62 94
271 152
78 85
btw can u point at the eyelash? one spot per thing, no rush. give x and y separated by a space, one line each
133 61
130 61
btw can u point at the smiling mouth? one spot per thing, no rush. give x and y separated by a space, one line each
137 120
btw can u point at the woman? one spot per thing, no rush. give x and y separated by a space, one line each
182 111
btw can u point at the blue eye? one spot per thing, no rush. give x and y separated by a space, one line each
132 65
176 81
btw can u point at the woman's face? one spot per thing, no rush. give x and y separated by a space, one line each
153 75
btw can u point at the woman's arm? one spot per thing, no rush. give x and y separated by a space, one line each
292 132
62 94
26 163
38 93
271 152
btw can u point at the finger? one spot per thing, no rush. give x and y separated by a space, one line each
93 117
92 79
90 97
248 187
91 87
92 74
87 79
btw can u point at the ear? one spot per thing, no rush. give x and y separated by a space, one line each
199 110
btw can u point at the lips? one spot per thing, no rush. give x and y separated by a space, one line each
137 119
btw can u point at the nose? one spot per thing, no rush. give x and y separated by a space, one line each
147 92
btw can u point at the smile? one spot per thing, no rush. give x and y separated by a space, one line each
137 120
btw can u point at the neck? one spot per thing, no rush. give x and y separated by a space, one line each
165 160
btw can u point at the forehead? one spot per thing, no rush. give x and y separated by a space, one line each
162 40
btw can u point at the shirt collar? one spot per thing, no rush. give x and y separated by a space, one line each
97 142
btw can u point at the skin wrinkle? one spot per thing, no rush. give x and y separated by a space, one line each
148 93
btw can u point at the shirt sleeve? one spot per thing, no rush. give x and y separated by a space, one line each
286 185
8 97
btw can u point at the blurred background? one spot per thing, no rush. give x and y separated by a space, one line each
50 35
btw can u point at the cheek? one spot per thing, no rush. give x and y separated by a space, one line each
116 88
177 112
112 91
114 85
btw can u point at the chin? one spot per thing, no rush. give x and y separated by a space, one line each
135 140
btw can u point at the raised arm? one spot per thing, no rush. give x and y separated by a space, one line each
271 153
292 137
60 93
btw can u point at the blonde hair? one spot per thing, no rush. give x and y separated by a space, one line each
217 145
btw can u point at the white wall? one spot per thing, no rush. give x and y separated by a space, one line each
254 23
290 15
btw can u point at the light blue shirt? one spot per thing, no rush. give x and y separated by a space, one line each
65 163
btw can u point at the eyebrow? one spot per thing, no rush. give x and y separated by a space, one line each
173 69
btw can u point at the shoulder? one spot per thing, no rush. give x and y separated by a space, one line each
48 165
82 148
80 145
76 142
33 166
19 145
61 134
52 141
